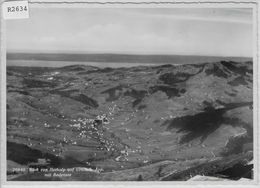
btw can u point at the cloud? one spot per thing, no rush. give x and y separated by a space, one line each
161 31
200 14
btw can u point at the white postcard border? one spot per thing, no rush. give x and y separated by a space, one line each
130 4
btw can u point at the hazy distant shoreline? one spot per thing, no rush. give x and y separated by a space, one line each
109 60
38 63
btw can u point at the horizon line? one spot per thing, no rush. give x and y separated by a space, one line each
118 53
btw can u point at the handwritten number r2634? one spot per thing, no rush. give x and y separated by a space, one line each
17 9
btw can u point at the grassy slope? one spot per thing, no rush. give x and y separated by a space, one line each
186 115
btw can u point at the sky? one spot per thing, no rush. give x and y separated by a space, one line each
176 31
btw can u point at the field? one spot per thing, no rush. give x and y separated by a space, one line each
141 123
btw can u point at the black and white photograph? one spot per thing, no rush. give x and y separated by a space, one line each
130 93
